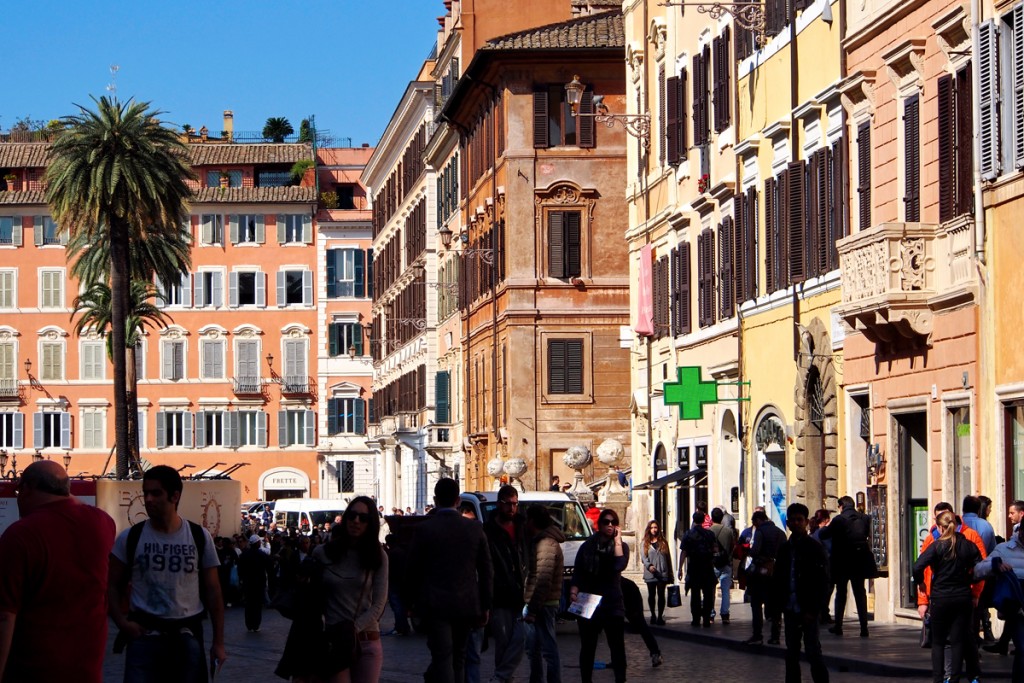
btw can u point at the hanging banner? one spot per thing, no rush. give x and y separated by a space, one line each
645 301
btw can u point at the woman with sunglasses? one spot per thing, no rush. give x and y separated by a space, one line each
598 570
355 590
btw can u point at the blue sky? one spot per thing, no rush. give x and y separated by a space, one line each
346 61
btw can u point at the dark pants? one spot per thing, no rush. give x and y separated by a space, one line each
254 607
614 633
656 589
758 593
702 599
951 625
401 616
168 658
803 627
860 598
1015 627
446 641
636 620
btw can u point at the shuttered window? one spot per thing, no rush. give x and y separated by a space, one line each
864 175
817 217
681 316
442 397
701 122
988 105
838 216
912 159
663 119
955 119
212 352
553 122
706 278
722 73
793 193
1017 71
746 246
564 233
675 131
660 287
565 366
727 268
94 360
346 416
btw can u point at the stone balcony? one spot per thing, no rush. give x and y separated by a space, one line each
896 276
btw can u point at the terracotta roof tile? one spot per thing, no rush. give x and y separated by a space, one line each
23 154
270 153
595 31
219 195
24 197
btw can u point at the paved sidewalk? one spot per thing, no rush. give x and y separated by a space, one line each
890 650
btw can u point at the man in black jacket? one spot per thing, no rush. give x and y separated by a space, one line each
506 537
764 546
799 584
849 532
448 580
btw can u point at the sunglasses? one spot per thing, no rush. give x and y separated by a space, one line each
606 522
362 517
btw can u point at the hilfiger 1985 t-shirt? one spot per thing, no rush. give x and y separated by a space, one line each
165 571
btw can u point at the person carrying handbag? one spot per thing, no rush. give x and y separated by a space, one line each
657 561
354 585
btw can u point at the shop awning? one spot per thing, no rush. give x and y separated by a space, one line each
676 478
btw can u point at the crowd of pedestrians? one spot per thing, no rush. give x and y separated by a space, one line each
471 588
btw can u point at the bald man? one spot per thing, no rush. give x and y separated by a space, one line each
53 582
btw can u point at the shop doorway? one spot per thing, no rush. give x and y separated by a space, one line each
916 519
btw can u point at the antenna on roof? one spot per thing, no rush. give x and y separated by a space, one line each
112 86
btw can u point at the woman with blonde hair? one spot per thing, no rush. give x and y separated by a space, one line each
657 559
950 601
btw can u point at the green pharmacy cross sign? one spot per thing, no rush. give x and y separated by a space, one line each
691 393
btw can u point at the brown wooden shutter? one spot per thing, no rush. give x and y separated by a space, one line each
836 193
681 138
947 148
726 268
750 245
739 209
771 281
912 158
696 99
572 244
716 80
964 142
661 312
864 175
556 244
663 119
795 223
723 67
820 215
556 366
540 119
671 121
701 265
685 325
585 124
706 277
574 366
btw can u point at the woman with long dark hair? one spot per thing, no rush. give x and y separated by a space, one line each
657 560
950 602
355 591
598 571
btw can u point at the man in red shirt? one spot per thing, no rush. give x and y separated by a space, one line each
53 582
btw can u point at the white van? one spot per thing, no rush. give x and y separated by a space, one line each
305 514
565 510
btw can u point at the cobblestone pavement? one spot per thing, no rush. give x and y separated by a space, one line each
253 656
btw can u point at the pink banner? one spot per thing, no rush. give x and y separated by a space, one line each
645 302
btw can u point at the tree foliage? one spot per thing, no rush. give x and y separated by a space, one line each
277 128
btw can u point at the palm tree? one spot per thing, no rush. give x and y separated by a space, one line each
94 304
277 128
118 174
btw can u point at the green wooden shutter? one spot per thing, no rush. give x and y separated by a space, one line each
442 389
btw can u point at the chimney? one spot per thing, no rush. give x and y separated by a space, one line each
229 124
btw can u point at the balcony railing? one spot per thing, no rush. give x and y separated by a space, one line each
896 275
9 388
248 385
296 384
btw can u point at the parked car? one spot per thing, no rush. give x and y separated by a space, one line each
305 514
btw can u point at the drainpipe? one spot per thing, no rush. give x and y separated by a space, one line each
979 206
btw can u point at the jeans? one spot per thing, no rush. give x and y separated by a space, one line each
474 644
724 577
656 589
446 641
951 625
171 658
614 633
401 616
542 647
509 641
860 597
367 667
803 626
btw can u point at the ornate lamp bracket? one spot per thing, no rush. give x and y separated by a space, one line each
748 15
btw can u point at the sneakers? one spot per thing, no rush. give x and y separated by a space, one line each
753 640
725 618
656 659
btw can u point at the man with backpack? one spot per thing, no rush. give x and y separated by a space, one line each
849 532
698 550
172 566
725 541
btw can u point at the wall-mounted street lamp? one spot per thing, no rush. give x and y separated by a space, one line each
5 473
748 15
637 125
485 255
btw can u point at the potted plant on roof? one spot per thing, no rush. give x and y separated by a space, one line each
10 179
225 179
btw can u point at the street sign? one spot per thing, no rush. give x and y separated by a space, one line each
691 393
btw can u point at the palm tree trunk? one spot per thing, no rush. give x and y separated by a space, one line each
132 384
119 283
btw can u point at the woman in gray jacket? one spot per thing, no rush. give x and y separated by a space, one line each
657 559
